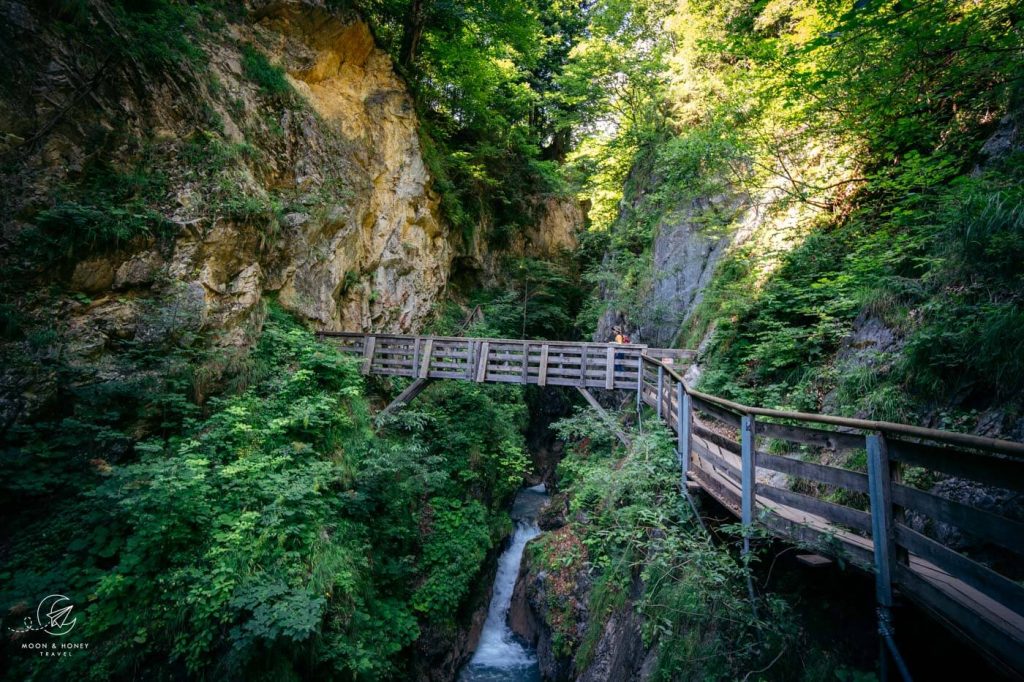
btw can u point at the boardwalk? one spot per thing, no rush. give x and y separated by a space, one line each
752 461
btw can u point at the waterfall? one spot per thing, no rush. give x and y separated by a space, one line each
501 656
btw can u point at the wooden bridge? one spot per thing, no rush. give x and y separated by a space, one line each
752 461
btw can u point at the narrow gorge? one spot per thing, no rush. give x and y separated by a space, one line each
413 340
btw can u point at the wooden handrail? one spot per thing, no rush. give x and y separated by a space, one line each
969 440
994 445
411 337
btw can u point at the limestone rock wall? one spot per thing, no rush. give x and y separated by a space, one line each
555 232
315 194
390 233
325 200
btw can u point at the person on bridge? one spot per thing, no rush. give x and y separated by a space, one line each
620 338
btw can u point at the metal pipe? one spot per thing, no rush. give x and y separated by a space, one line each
886 632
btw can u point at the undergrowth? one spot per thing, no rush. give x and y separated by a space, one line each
643 551
263 532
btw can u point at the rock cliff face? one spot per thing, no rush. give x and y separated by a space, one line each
142 200
551 608
556 231
323 197
390 233
684 259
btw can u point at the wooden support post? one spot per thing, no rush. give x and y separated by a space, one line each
472 349
481 362
416 358
639 383
542 374
425 362
748 465
406 396
687 430
683 423
661 388
526 362
900 556
583 366
679 431
605 416
679 417
368 354
883 540
882 533
609 377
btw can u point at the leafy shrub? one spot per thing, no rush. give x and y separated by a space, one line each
268 533
645 552
106 210
452 555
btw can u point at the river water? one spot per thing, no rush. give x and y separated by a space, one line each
501 656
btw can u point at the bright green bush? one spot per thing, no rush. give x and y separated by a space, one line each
269 534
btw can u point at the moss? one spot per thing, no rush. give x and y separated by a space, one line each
562 557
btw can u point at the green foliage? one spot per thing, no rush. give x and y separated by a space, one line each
157 34
452 556
270 78
940 272
107 210
267 533
486 79
645 549
541 302
160 30
877 205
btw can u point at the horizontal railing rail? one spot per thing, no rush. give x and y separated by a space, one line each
970 440
538 362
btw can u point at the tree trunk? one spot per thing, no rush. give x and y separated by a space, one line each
415 18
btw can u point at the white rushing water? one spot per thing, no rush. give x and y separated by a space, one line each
500 655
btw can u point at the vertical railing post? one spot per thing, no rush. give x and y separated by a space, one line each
747 478
661 389
639 382
471 350
880 496
481 361
526 363
368 346
679 422
883 540
685 429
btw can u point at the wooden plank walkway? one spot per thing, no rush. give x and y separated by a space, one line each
750 458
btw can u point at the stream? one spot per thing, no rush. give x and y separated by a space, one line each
501 656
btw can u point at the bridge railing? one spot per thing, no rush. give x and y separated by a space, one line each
884 514
543 363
